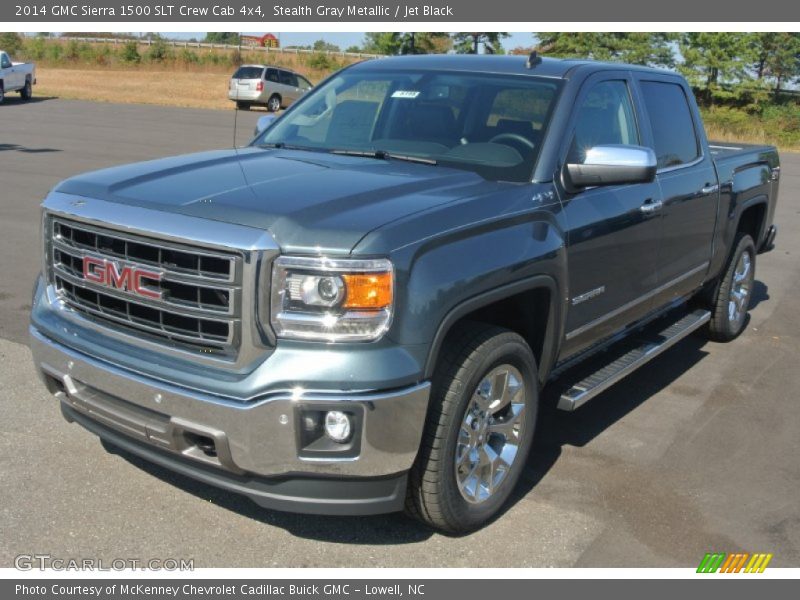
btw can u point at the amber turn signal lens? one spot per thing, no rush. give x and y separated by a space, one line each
368 291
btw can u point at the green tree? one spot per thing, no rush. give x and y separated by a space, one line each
639 48
323 46
353 49
130 53
382 42
777 57
470 43
11 42
159 51
427 42
222 37
717 63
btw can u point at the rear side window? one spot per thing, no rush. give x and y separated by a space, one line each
605 116
674 135
248 73
288 78
272 75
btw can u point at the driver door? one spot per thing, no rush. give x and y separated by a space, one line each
612 241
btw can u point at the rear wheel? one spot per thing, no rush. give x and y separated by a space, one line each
274 103
2 93
26 92
479 430
734 292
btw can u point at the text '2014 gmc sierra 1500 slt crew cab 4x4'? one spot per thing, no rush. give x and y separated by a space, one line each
357 312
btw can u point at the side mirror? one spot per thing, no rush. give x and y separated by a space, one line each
611 165
264 123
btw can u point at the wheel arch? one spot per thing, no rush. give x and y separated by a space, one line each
539 325
752 218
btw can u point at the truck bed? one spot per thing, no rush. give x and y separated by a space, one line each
724 150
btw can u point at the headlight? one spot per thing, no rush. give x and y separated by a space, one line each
331 299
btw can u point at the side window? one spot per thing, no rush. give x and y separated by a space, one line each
272 75
288 78
303 83
673 128
6 62
605 116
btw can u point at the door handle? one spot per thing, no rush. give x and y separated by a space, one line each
649 207
709 189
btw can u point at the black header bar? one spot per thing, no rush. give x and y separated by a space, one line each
393 11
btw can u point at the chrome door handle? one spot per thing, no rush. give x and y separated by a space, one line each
649 208
709 189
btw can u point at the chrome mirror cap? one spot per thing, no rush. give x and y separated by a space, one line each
612 164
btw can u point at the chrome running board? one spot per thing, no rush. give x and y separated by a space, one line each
650 346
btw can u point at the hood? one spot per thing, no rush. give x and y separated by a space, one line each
309 202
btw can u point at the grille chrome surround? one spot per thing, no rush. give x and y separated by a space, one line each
201 304
254 249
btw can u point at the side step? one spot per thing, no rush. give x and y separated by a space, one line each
649 346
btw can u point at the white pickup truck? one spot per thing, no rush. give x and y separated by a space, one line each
16 77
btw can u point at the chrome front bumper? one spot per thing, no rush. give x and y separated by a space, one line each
190 431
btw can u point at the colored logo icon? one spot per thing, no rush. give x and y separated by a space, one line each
740 562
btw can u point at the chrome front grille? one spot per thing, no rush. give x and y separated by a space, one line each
200 290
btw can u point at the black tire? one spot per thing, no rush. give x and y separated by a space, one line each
274 103
242 105
26 93
472 352
2 93
728 316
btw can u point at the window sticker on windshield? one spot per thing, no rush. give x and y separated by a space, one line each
410 94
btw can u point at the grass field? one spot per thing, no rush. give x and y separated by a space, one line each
168 88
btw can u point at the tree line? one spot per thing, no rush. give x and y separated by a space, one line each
723 67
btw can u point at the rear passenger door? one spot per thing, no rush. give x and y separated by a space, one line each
273 84
612 242
290 91
688 183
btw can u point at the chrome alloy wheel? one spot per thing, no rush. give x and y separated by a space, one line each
490 433
741 287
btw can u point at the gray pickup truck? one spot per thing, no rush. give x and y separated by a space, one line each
357 312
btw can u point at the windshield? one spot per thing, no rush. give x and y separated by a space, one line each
490 124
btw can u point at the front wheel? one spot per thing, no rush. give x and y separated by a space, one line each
734 292
479 431
26 92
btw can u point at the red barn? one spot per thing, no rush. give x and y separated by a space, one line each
265 41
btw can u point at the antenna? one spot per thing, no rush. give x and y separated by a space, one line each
533 60
236 104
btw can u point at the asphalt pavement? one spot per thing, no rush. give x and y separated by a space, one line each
696 452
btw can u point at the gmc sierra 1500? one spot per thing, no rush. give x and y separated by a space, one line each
358 311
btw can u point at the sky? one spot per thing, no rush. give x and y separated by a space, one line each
344 39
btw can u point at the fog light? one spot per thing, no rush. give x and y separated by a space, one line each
337 426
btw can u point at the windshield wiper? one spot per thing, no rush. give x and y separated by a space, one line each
384 155
285 146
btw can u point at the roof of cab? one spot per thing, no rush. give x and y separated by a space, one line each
505 64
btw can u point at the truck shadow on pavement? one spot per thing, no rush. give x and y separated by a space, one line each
555 430
18 148
11 101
